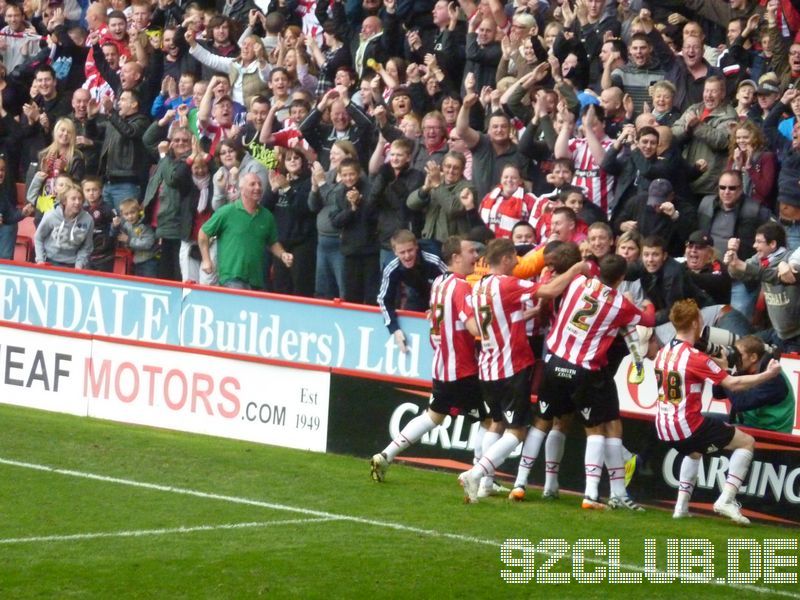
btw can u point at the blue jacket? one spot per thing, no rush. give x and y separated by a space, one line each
418 278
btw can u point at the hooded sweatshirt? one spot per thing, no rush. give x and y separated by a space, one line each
65 241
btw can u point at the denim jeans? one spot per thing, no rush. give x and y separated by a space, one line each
744 299
148 268
792 237
8 237
329 281
115 193
770 336
237 284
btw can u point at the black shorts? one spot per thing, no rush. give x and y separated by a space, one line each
567 388
711 437
509 399
459 397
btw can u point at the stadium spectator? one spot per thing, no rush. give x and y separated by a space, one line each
492 151
168 192
440 199
707 272
506 204
40 115
244 231
652 213
587 154
122 158
390 186
64 236
104 243
750 154
416 270
10 213
730 214
138 236
287 200
703 130
322 200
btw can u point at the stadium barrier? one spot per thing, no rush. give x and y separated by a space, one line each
306 374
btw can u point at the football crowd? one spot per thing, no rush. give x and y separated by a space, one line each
634 154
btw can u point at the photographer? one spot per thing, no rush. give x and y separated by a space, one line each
768 405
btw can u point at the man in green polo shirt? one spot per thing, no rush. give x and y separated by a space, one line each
243 229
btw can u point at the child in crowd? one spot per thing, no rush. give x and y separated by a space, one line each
190 253
64 236
102 258
357 221
140 237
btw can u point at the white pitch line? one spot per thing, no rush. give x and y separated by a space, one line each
340 517
154 532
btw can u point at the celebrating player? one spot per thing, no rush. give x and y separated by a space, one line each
502 304
455 368
592 312
681 371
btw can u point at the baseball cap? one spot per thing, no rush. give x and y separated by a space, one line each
698 238
749 82
768 84
659 191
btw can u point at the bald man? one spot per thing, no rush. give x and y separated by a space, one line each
375 40
611 101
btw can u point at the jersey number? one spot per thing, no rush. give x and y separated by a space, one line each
673 390
582 316
437 316
486 316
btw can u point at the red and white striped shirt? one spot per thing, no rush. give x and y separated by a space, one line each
451 307
499 304
540 216
591 313
598 184
501 214
681 371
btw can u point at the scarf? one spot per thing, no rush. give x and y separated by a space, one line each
202 185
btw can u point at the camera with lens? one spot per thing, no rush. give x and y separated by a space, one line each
719 343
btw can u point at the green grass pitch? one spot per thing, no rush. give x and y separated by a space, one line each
102 510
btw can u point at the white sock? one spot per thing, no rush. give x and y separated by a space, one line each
489 438
615 466
626 454
477 449
494 456
530 450
737 471
415 429
689 468
593 464
553 453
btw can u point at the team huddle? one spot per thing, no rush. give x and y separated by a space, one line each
581 324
